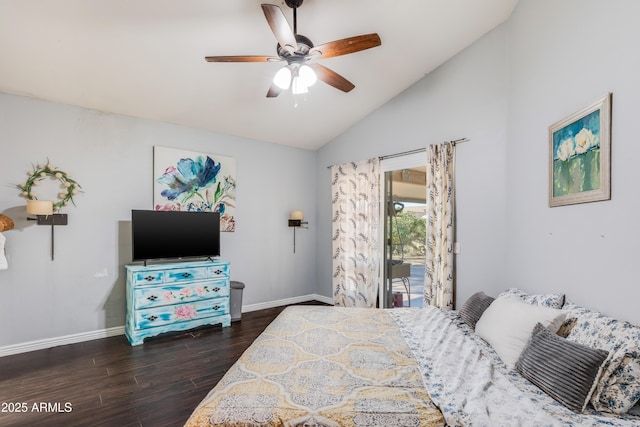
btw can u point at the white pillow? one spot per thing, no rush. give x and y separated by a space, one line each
508 323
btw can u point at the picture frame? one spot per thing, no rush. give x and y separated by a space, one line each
194 181
580 155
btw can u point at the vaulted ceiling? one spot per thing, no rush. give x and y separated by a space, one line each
145 58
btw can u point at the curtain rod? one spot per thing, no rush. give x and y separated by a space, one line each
419 150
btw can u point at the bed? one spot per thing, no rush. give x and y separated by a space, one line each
333 366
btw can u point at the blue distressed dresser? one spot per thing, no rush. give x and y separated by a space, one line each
176 297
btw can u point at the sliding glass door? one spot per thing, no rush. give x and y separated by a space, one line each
404 234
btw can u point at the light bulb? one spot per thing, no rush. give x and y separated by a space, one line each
282 79
298 86
307 75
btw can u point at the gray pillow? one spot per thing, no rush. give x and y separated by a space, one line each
565 370
473 308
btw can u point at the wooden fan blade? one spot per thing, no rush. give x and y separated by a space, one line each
274 91
346 46
332 78
280 26
242 58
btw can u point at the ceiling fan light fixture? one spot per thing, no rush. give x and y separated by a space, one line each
307 75
296 50
282 79
298 86
303 78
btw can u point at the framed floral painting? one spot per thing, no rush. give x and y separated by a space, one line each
192 181
579 155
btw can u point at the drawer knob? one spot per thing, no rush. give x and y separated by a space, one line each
216 307
152 318
152 298
216 289
150 278
185 275
218 271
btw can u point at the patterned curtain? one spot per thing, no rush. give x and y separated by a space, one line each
439 271
356 217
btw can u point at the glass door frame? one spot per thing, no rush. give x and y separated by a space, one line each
387 165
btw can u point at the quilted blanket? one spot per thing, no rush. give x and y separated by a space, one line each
323 366
471 385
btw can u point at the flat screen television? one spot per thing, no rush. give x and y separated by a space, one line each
163 235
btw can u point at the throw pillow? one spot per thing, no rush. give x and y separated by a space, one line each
507 324
473 308
565 370
544 300
618 389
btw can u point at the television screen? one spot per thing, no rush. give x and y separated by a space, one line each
174 234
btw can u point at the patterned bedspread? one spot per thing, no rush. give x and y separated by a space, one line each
323 366
330 366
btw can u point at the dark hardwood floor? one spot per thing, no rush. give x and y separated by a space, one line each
107 382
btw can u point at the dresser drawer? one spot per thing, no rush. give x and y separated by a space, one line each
171 314
156 296
148 277
154 277
215 271
185 274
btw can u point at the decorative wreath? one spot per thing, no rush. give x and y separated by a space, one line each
70 186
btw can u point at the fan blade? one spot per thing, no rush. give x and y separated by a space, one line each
345 46
332 78
243 58
280 26
274 91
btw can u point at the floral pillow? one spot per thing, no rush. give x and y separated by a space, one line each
618 388
543 300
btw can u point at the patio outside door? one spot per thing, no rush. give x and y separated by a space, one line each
404 236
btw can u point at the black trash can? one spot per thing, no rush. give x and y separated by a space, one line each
236 300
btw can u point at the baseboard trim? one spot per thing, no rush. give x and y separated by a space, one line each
56 341
286 301
119 330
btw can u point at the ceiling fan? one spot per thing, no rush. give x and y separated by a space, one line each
298 52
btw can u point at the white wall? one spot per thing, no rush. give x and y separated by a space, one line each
466 97
564 55
111 156
549 60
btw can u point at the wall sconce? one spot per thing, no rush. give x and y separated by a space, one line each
43 209
296 220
